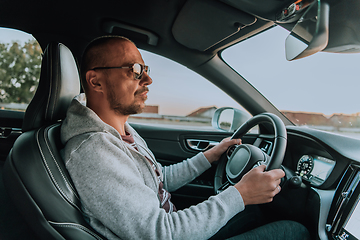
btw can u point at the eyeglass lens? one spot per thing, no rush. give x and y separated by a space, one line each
138 70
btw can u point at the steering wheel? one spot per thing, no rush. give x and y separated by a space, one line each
244 157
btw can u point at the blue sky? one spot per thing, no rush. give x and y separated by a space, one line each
7 35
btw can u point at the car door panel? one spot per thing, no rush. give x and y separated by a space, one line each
10 129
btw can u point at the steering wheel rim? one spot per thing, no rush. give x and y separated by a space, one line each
274 161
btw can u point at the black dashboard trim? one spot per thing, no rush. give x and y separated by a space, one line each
346 146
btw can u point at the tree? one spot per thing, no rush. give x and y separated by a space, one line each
19 71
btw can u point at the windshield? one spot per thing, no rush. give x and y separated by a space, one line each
319 91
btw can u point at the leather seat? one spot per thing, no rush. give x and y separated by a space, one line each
35 176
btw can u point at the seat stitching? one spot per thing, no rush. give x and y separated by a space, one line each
58 167
74 225
51 174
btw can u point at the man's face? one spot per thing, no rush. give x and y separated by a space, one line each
125 94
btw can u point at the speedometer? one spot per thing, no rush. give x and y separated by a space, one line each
305 166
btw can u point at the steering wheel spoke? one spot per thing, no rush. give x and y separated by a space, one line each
224 186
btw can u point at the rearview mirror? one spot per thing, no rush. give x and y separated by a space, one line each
229 119
310 34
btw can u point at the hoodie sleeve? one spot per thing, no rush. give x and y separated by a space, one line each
177 175
119 201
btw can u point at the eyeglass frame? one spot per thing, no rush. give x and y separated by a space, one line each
144 68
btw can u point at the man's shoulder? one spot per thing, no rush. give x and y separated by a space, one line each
93 145
99 137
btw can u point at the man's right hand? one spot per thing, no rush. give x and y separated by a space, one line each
258 186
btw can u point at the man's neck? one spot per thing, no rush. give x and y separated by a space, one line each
116 121
110 117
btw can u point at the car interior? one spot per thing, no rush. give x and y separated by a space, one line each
38 199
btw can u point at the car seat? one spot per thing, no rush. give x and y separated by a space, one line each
35 176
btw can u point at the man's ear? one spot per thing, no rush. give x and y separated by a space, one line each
93 81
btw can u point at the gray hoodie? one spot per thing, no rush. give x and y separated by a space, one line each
119 189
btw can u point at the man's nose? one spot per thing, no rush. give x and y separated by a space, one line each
145 79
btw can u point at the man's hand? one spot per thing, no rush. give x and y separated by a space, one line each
258 186
214 154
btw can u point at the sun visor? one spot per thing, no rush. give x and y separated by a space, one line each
203 24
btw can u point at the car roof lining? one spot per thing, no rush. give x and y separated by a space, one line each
71 22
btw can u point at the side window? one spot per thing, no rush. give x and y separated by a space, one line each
179 96
20 63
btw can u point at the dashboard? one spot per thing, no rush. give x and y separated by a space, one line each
329 168
329 163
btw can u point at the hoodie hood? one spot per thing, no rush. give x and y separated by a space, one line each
81 119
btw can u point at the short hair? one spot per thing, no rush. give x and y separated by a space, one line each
95 55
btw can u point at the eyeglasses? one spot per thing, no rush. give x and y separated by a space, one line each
137 68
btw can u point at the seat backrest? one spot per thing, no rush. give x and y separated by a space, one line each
34 173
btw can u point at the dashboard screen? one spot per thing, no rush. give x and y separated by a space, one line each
351 230
315 169
322 168
351 227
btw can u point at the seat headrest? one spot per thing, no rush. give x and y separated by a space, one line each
59 83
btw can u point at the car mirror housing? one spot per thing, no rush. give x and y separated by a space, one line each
229 119
310 34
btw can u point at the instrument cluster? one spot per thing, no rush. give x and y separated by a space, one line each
314 169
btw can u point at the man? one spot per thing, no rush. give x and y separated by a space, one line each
123 190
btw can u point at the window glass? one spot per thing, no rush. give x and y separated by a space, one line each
320 91
179 96
20 63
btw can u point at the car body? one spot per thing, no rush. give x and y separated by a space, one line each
322 167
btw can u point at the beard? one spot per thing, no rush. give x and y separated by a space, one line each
120 108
